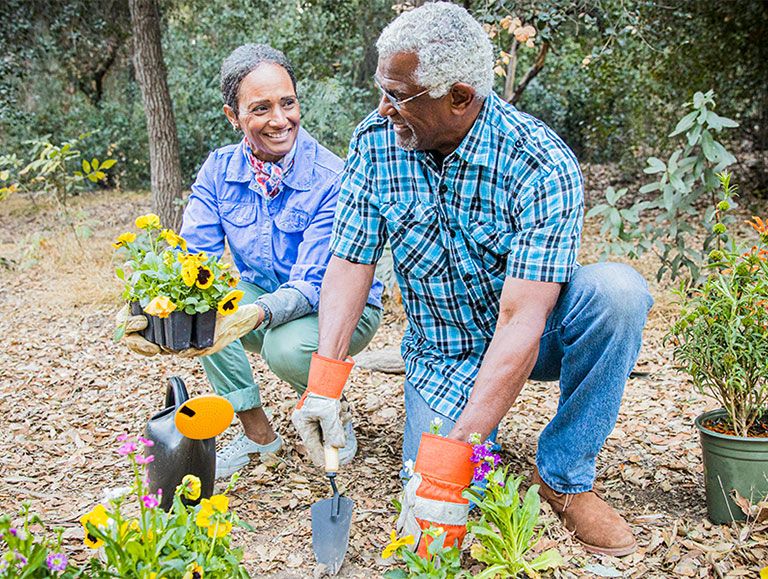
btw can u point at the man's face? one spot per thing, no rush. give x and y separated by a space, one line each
418 122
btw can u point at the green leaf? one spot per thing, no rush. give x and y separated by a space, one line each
685 123
597 210
708 147
650 187
86 167
95 164
549 559
718 123
655 165
108 164
100 175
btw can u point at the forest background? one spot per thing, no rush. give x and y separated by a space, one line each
615 72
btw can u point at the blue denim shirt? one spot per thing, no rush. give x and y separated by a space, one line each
277 243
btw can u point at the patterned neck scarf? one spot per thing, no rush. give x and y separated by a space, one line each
268 176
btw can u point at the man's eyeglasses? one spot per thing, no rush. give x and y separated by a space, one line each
393 100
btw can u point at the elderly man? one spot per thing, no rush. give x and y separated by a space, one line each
482 205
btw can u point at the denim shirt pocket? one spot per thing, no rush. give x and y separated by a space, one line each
292 220
238 213
415 238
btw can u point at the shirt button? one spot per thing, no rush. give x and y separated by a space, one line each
443 188
467 277
452 233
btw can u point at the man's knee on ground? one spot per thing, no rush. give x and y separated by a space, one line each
616 291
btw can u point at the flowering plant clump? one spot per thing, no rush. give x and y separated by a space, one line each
22 554
440 562
141 541
721 335
163 277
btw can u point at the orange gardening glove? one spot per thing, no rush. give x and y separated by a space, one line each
433 495
317 416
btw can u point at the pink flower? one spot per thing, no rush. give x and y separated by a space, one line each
150 502
146 441
122 437
127 448
144 460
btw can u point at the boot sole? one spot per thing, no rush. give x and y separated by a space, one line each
613 552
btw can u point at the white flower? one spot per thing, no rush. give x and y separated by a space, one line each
408 468
115 493
436 425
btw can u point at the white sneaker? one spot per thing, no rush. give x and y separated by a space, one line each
234 456
347 453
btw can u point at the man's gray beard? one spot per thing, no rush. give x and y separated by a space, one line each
409 144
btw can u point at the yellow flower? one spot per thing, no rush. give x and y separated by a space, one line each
221 531
204 278
764 573
123 239
219 503
161 307
127 526
98 518
191 486
189 272
229 303
173 239
209 507
148 221
196 572
233 281
395 544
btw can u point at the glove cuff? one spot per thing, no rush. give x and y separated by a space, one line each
445 459
327 376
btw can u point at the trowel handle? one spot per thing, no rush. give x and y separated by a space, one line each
331 459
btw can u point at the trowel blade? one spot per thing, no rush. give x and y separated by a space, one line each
330 532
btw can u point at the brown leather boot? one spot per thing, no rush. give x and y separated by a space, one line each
594 522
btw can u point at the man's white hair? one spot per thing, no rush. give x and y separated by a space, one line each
451 47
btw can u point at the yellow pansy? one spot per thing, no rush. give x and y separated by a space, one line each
204 278
189 272
98 518
233 281
161 307
132 525
209 507
229 303
764 573
195 572
395 544
222 530
123 239
191 486
173 239
148 221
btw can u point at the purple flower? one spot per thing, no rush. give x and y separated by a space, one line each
146 441
56 561
14 532
127 448
22 559
485 460
122 437
150 502
144 460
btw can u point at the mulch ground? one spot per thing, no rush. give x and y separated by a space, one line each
67 391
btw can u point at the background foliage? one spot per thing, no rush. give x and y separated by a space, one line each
614 77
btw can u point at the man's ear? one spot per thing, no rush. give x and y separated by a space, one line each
461 97
232 117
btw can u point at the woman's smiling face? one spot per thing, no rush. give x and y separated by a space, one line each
268 111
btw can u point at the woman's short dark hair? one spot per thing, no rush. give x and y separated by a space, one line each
242 61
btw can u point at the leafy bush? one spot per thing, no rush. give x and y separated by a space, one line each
721 336
685 179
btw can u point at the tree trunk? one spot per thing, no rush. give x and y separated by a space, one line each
164 163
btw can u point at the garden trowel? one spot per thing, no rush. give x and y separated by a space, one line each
331 520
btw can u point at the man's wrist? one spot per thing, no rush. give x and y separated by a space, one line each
267 319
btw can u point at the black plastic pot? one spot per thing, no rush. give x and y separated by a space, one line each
203 329
176 455
177 328
154 332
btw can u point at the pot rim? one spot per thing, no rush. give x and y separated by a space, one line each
721 412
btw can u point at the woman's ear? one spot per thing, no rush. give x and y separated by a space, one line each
232 117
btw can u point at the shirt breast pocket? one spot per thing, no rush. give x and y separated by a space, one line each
239 214
292 221
414 234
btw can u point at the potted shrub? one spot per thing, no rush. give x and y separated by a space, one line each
721 340
179 292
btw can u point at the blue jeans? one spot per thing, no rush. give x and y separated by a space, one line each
590 343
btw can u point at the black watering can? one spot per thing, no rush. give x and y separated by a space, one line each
175 454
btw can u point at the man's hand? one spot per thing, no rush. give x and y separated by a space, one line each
317 416
230 328
433 495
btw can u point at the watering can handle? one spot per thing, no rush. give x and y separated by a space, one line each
176 393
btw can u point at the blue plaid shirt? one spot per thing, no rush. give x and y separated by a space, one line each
507 202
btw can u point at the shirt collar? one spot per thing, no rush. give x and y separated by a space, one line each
303 153
476 146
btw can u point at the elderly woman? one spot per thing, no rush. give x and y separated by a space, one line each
272 198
